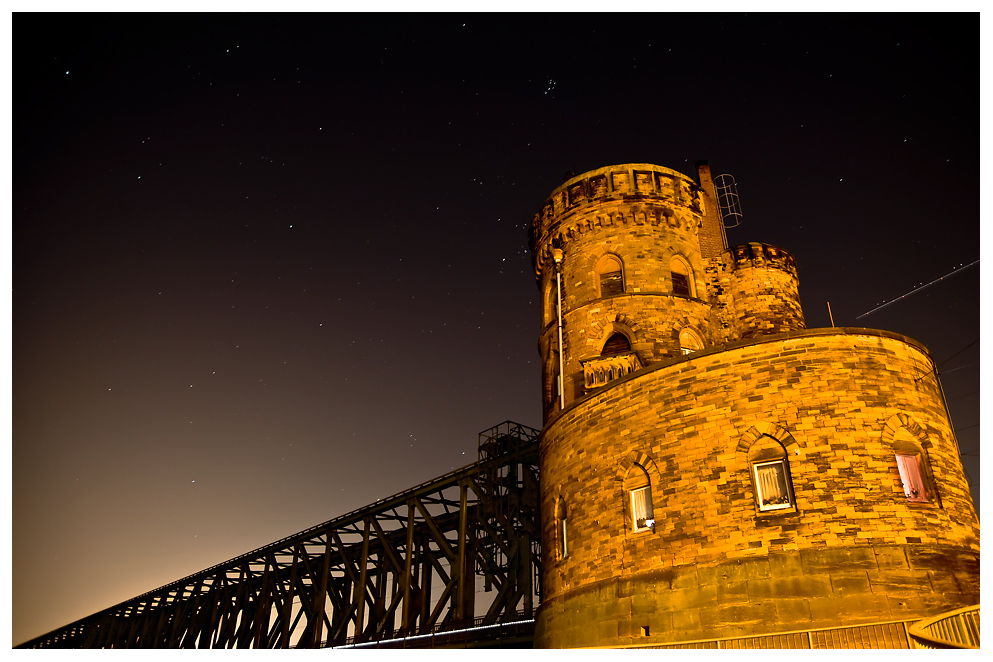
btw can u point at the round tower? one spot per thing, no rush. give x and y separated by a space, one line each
632 276
761 280
712 471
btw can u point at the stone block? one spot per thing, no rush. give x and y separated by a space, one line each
837 559
691 598
734 571
863 608
928 557
803 586
890 556
686 621
785 565
793 612
899 582
722 619
852 583
606 631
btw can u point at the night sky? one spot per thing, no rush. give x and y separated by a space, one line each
269 269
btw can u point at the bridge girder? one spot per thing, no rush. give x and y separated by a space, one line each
365 576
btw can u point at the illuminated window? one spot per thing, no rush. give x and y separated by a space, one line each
616 344
611 276
639 487
772 485
689 342
913 481
682 277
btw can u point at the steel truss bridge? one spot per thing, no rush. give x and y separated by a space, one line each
402 572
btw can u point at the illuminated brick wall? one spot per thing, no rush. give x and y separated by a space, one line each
836 404
853 549
760 286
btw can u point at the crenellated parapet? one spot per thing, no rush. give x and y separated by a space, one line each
600 198
755 254
761 290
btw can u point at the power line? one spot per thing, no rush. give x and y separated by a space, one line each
967 365
918 289
923 375
957 353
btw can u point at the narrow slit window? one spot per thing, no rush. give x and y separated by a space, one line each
772 485
910 474
565 537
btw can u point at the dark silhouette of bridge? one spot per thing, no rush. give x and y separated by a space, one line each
453 562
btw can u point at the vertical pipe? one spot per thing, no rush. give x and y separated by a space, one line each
561 378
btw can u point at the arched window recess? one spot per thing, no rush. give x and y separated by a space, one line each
912 464
770 472
689 341
683 283
616 360
638 491
610 276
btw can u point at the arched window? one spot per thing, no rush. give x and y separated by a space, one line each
616 344
562 519
770 469
682 277
689 341
910 463
610 275
638 489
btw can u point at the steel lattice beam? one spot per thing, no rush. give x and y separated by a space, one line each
366 576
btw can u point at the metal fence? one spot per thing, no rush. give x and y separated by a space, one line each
954 629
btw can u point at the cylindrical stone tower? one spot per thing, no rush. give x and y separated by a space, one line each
718 472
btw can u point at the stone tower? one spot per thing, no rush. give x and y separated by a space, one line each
712 470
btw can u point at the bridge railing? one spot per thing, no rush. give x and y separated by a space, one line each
510 624
953 629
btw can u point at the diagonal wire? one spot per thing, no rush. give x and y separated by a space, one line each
949 359
918 289
957 353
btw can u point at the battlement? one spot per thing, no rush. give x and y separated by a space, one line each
758 255
617 182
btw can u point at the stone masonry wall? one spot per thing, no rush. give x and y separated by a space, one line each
853 550
758 282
